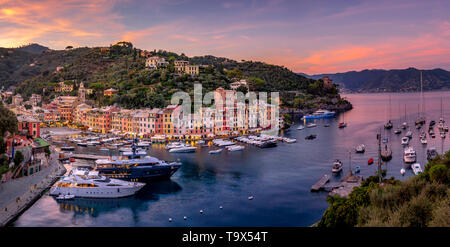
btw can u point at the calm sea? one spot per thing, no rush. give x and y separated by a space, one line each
279 178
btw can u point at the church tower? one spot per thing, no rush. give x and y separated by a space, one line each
82 93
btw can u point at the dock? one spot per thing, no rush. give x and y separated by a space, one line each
346 186
321 183
87 156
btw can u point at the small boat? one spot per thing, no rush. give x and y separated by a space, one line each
416 168
71 159
404 125
370 161
301 127
326 125
360 148
311 125
320 114
310 137
235 148
174 145
386 153
289 140
250 197
409 134
217 151
431 153
423 140
402 171
65 197
385 140
82 144
68 148
185 149
397 131
337 166
405 140
342 125
409 155
199 142
357 169
443 135
388 125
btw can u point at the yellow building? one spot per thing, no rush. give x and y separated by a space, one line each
187 69
168 128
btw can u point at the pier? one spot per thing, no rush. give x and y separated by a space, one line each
346 186
87 156
17 195
320 184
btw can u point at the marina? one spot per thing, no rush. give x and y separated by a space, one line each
279 180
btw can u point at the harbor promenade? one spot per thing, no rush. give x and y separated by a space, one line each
18 194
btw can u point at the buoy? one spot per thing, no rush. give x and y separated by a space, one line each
170 219
184 217
220 207
201 211
250 197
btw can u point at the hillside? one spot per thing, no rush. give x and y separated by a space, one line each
122 67
398 80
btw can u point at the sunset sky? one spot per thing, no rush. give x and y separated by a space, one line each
305 36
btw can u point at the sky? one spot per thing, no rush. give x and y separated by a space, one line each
304 36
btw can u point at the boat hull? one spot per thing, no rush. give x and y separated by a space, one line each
327 115
140 174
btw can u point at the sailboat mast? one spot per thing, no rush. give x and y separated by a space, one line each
379 156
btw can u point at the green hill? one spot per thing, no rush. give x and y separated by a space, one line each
122 67
397 80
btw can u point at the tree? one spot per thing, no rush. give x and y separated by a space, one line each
18 158
242 89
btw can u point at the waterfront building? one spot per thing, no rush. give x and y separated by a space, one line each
99 119
122 121
141 122
207 121
51 115
29 126
156 121
80 114
168 127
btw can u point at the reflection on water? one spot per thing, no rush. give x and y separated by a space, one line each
279 178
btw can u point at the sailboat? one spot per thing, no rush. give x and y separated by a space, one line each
389 124
398 130
342 124
405 124
420 119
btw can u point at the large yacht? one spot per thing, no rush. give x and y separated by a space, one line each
409 155
134 166
320 114
85 183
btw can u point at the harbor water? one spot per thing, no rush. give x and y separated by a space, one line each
279 179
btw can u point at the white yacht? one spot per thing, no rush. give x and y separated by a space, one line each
85 183
174 145
416 168
311 125
217 151
222 143
423 140
405 140
143 144
235 148
301 127
337 166
360 148
184 149
409 155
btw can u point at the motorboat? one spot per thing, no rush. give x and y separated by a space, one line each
416 168
235 148
267 144
388 125
311 137
357 169
432 153
405 140
409 155
143 144
397 131
84 183
342 125
185 149
409 134
311 125
300 127
174 145
385 140
68 148
320 114
222 143
289 140
360 148
370 161
423 140
402 171
217 151
337 166
82 144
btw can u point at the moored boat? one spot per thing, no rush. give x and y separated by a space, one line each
320 114
337 166
409 155
416 168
